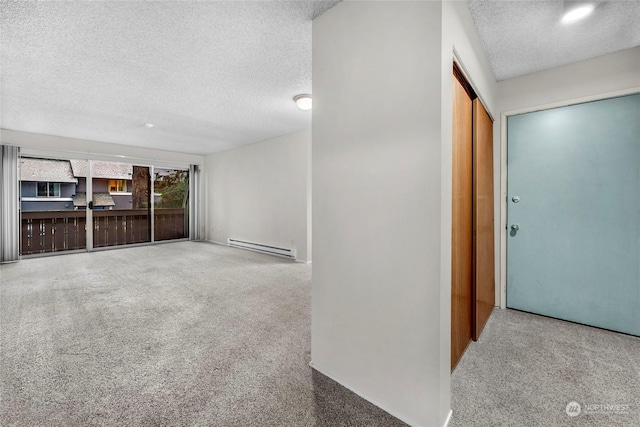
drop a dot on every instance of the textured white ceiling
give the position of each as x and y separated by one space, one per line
209 75
522 37
216 75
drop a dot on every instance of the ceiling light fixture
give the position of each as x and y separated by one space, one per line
574 11
148 125
303 101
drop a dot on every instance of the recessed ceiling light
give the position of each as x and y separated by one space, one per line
574 14
303 101
148 125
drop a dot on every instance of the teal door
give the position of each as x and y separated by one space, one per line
573 198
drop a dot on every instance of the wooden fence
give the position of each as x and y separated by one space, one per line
66 230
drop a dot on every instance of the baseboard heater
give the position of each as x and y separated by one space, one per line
260 247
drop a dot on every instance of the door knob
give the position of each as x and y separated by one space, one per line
515 227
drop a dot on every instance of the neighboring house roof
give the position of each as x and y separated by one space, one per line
99 169
46 170
99 199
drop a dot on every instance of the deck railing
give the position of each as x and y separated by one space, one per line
54 231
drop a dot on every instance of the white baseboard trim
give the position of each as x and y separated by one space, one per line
446 422
227 245
365 397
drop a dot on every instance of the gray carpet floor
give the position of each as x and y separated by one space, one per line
178 334
526 369
186 334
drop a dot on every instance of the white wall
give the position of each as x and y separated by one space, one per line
609 73
259 192
600 77
377 205
79 148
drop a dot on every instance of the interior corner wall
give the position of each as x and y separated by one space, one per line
309 206
377 181
259 193
461 42
460 36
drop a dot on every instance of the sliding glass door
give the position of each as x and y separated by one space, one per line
171 204
123 204
50 220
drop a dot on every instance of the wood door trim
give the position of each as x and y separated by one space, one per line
457 72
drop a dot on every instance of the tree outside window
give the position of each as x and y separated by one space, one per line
173 185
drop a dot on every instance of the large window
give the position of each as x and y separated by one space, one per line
48 189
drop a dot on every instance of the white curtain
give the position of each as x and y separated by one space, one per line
194 202
9 204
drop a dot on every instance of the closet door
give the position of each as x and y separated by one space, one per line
462 223
483 290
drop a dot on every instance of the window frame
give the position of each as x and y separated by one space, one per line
120 185
52 189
